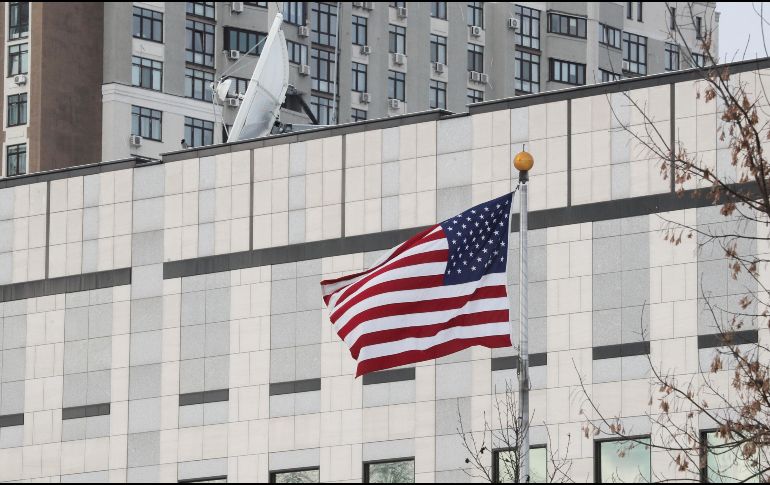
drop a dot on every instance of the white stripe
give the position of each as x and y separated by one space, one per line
420 294
436 245
424 319
424 269
425 343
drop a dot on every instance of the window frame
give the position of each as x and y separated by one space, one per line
193 80
440 89
496 463
609 74
248 49
194 28
193 128
272 474
366 464
330 16
627 39
668 54
551 65
151 116
357 27
604 37
153 70
703 455
23 20
396 39
155 18
357 75
699 28
353 115
598 452
292 47
472 98
318 58
438 50
21 114
329 106
397 79
438 10
565 20
23 59
295 13
17 172
518 79
475 57
475 11
527 18
205 8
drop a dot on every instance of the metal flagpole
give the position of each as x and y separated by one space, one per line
523 163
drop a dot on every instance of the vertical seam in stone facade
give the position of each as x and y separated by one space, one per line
342 186
569 152
47 226
672 132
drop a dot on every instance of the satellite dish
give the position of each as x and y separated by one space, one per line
262 102
223 88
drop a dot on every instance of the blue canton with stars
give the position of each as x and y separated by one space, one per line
478 241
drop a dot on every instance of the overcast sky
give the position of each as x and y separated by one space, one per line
740 24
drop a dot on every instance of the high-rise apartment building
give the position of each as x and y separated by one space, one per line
90 82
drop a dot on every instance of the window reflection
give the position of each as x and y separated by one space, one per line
538 467
624 461
726 464
390 472
296 476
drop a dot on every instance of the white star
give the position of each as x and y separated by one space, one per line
497 233
478 259
486 209
473 268
459 271
484 250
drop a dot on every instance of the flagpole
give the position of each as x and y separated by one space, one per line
523 163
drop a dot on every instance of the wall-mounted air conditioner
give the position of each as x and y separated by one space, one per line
135 140
233 54
475 31
236 7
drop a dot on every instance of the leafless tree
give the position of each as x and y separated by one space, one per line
732 395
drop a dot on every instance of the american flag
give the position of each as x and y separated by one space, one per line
440 292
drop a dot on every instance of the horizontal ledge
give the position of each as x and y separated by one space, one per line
294 387
65 284
723 339
621 350
91 410
392 375
9 420
191 398
512 362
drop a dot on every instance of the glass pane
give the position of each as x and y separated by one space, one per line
304 476
393 472
726 464
625 462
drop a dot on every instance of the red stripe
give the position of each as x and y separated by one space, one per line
411 307
396 334
436 256
404 246
412 356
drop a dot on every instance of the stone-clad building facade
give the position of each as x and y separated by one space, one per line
163 320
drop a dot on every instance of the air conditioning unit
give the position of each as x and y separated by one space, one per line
233 102
366 50
626 66
236 7
20 79
395 104
304 70
474 76
399 59
135 140
513 23
233 54
303 31
402 12
475 31
358 4
368 5
438 67
484 78
365 98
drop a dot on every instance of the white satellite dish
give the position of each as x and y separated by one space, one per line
262 102
223 88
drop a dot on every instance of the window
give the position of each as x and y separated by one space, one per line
200 43
672 57
437 94
396 85
503 463
148 24
475 57
297 52
476 14
635 52
322 67
247 42
324 24
397 39
672 14
698 60
359 30
475 96
622 461
17 110
639 11
629 10
359 77
238 86
608 76
437 48
198 132
16 160
357 114
146 73
322 110
527 74
398 4
196 84
397 471
724 461
438 10
201 9
567 25
256 4
18 20
294 13
609 36
699 28
146 123
528 33
18 59
309 475
568 72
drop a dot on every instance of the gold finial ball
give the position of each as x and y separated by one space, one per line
523 161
